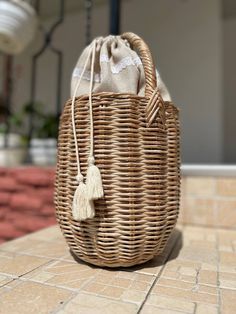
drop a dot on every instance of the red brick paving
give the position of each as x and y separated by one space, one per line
26 200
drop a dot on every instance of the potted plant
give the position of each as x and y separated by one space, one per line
43 143
13 144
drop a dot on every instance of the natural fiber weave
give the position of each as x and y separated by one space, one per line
140 174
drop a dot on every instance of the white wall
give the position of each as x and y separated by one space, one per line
185 38
229 103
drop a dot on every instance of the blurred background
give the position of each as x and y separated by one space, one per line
192 42
193 45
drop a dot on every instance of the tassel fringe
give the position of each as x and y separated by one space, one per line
94 183
82 206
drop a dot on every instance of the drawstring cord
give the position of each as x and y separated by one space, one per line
82 206
93 178
79 176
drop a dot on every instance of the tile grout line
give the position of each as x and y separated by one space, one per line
195 308
5 284
19 277
92 294
34 233
157 277
36 255
218 274
206 226
28 272
63 305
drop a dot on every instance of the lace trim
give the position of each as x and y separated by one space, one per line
87 74
123 64
115 69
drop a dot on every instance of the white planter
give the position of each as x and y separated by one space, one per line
18 24
14 154
43 151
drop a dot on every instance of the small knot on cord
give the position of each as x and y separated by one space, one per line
79 177
91 160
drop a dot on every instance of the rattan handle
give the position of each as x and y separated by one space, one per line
143 51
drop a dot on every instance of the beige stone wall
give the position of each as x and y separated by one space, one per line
208 201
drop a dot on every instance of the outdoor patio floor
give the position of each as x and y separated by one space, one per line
195 274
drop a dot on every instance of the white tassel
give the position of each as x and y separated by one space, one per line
82 206
94 181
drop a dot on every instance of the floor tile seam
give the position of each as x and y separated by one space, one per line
159 273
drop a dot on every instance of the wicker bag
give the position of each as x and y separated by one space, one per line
132 143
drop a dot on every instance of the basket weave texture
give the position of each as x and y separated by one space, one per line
140 169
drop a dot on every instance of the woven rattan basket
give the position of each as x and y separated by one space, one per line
136 145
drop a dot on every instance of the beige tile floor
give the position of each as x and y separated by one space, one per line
195 274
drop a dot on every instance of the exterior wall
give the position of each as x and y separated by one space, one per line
229 103
26 201
185 38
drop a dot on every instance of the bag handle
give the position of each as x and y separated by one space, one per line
155 106
145 55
